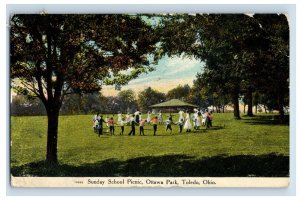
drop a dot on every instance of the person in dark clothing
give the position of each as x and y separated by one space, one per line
209 120
137 117
170 117
132 123
99 125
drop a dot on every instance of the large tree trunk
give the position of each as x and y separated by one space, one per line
51 156
236 109
250 105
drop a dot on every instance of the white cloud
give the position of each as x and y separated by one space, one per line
169 73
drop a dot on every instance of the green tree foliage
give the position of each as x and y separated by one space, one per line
54 55
84 104
205 93
127 101
274 82
239 52
180 92
149 97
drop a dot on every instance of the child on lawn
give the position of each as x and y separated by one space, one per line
180 124
111 123
149 117
160 118
142 124
169 123
155 122
106 120
122 122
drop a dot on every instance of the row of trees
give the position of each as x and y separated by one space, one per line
127 101
53 56
243 55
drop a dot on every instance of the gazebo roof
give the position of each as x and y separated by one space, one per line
173 103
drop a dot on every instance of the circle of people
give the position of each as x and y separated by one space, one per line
184 122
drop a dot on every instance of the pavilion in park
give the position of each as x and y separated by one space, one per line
173 105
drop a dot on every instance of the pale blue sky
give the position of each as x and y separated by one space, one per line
170 72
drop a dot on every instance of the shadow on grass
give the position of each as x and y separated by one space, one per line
270 165
266 120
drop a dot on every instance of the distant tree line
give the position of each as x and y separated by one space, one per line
128 101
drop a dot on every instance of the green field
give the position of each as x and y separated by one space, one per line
256 146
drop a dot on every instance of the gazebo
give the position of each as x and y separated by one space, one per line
173 104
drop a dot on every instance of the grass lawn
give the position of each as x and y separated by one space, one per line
256 146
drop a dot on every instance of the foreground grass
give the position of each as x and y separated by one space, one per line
257 146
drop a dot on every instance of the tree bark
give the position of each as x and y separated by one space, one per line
51 156
250 105
236 109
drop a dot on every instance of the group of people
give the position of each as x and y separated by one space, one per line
133 120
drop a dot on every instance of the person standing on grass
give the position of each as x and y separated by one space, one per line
169 123
196 119
149 117
154 122
100 125
128 117
187 125
132 123
137 116
95 118
119 117
160 118
142 124
203 118
111 126
122 123
209 119
106 121
180 124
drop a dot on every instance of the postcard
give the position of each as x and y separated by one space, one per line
149 100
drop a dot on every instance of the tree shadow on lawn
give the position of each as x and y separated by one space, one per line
270 165
267 120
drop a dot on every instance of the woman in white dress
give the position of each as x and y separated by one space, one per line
196 119
149 117
119 117
187 125
204 115
181 115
